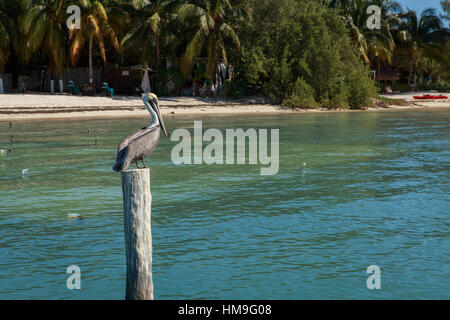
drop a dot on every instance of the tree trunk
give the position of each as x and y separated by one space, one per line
379 73
91 70
210 69
411 70
158 53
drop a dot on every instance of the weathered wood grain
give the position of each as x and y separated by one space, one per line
137 202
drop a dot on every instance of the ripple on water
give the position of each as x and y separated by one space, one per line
375 191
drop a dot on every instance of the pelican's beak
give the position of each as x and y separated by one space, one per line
155 104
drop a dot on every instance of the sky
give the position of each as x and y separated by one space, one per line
419 5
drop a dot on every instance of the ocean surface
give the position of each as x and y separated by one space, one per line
375 192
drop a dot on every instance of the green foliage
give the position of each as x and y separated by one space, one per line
374 45
421 36
95 24
302 55
152 21
308 53
441 86
5 39
251 64
234 89
445 4
302 96
172 75
44 27
281 77
392 102
402 87
212 31
360 87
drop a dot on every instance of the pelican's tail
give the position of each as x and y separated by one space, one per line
121 160
117 167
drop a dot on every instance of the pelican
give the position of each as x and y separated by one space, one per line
138 145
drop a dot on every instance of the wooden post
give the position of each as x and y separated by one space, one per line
137 204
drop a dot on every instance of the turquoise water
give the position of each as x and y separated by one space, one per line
375 192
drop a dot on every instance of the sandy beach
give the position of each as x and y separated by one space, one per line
409 97
16 107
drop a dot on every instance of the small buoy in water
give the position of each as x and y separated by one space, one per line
24 171
75 216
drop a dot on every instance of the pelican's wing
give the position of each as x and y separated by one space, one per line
126 141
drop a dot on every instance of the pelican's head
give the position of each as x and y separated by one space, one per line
152 99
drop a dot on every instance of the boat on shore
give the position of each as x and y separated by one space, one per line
429 96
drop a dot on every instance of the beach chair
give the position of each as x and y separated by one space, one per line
108 89
74 88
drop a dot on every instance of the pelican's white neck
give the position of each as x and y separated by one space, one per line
155 121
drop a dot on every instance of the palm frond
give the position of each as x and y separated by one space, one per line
227 32
192 51
76 48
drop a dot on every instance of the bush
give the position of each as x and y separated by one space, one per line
361 88
302 96
234 89
440 86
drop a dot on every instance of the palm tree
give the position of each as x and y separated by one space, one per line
445 4
420 35
8 36
153 20
212 29
94 24
376 46
44 27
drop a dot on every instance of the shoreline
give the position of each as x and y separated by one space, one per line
31 107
